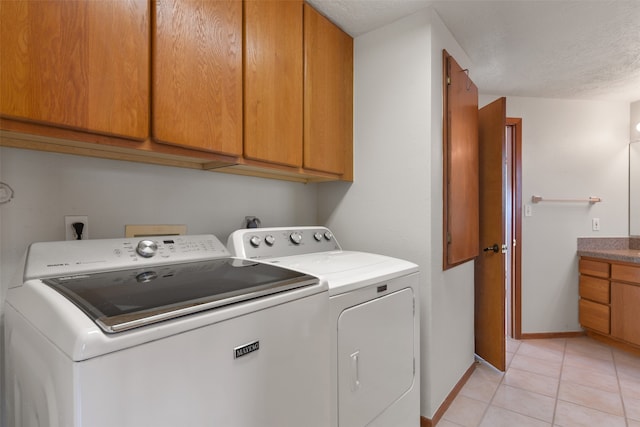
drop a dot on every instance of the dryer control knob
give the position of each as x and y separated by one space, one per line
318 236
328 235
269 239
296 237
147 248
255 241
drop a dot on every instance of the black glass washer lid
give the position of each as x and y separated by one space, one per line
125 299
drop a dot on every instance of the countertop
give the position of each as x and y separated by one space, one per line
625 255
624 249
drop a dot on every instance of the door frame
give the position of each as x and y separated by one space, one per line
514 125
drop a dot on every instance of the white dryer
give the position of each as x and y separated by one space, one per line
374 321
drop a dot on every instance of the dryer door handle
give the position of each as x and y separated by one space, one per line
355 371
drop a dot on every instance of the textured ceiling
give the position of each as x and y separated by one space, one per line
574 49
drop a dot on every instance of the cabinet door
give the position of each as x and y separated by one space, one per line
461 163
197 74
594 316
77 64
328 95
273 81
625 300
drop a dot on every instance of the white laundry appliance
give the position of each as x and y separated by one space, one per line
166 331
374 321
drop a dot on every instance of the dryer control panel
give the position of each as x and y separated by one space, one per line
256 243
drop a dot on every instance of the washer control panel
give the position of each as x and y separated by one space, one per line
255 243
50 259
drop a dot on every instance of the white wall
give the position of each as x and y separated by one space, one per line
570 149
112 193
394 206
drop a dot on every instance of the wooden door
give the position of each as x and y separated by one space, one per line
197 74
273 81
490 340
328 95
77 64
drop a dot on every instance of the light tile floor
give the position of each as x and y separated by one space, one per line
552 382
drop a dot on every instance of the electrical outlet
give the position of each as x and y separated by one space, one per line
70 230
595 224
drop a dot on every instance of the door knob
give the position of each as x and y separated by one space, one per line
495 248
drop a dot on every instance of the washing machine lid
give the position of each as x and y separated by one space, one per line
124 299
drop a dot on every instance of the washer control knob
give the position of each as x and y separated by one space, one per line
318 236
295 237
269 239
328 235
255 241
147 248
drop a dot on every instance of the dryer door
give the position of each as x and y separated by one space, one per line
375 356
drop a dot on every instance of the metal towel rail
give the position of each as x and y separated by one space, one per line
591 199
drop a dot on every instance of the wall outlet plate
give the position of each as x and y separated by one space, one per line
69 231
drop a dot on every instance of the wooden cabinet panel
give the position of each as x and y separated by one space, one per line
625 273
594 268
594 316
197 74
461 165
273 81
594 289
328 95
625 303
77 64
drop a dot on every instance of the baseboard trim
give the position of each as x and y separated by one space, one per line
426 422
620 345
544 335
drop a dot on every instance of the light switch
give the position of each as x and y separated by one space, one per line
528 210
595 224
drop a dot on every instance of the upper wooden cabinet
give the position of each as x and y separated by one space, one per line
77 64
461 185
273 81
197 74
328 95
249 87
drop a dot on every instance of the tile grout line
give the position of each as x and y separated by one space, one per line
624 408
555 406
486 409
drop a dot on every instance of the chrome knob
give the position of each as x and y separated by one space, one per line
255 241
147 248
295 237
317 236
146 277
269 240
328 235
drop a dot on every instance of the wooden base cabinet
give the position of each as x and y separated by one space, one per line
610 300
625 303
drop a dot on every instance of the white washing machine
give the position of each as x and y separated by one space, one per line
374 321
167 331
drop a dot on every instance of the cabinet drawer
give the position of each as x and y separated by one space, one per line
594 289
625 273
594 268
594 316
